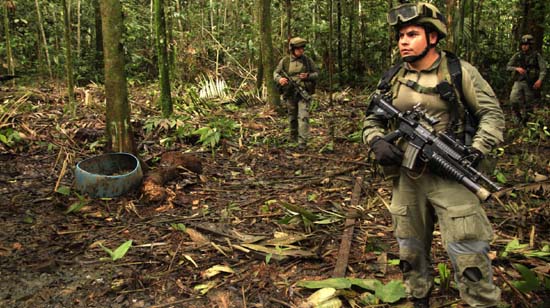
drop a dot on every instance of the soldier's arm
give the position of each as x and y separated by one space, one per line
512 63
481 98
373 126
277 71
314 74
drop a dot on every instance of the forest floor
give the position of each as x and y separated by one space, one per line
241 231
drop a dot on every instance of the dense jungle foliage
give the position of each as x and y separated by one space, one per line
241 218
220 38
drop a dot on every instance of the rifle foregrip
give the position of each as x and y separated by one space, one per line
482 193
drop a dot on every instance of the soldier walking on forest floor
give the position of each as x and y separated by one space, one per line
302 70
528 71
421 196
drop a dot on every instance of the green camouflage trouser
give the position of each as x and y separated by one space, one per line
298 114
522 99
418 202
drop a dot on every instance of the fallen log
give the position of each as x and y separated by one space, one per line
347 236
169 169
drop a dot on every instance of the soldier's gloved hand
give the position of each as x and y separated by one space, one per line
477 157
385 153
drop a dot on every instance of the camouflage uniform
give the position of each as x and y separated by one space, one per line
421 198
298 109
523 97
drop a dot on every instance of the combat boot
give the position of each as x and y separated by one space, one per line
421 302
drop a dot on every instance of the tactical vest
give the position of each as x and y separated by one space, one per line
529 62
309 85
449 89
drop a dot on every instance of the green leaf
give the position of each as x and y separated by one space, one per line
392 292
530 282
312 197
337 283
75 207
205 287
501 178
121 250
367 284
178 227
107 250
64 190
514 245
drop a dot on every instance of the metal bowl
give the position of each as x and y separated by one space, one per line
108 175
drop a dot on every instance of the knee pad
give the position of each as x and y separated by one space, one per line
405 266
473 274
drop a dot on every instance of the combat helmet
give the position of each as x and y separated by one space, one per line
297 42
420 13
527 39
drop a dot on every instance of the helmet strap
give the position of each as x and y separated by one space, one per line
411 59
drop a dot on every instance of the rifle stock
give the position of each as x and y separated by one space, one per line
439 151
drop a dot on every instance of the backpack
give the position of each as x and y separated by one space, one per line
309 85
446 91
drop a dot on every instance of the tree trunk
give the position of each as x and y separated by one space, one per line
450 25
68 58
532 21
43 38
7 37
119 129
267 53
329 47
339 38
163 61
98 36
78 29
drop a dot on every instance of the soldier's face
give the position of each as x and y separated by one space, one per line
525 47
298 51
413 40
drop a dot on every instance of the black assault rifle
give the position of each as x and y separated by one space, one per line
441 152
299 89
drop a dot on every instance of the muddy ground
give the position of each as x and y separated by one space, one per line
246 196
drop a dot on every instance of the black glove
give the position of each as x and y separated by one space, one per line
385 153
477 156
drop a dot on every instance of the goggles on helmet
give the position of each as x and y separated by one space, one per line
526 41
410 11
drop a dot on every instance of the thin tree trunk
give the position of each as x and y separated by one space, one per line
78 29
260 61
43 38
98 37
339 38
7 37
330 60
118 125
267 53
68 59
163 61
288 11
450 20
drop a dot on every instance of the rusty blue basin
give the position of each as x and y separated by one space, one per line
108 175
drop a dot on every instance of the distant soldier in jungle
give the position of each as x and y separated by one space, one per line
528 71
303 72
445 87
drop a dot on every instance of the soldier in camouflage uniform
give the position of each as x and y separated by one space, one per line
528 71
302 70
421 197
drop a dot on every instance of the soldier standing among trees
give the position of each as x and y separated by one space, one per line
421 196
302 70
528 71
